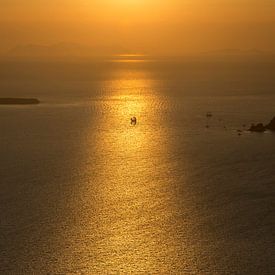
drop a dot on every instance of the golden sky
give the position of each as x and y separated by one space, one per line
142 26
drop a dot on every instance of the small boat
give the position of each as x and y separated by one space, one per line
209 114
134 120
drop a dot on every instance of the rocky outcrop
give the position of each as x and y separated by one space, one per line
261 128
257 128
271 125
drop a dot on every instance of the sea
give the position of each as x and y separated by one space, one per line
85 191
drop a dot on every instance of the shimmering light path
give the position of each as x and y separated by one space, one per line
85 192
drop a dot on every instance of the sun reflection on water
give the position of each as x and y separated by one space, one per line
132 189
130 212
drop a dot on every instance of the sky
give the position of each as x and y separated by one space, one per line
165 27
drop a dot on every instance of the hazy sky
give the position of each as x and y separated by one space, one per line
150 26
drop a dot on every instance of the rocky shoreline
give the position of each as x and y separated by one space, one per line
260 127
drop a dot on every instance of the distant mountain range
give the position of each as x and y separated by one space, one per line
235 51
62 50
235 55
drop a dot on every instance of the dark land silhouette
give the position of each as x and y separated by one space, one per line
260 127
19 101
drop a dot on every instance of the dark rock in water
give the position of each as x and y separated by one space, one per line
261 128
257 128
18 101
271 125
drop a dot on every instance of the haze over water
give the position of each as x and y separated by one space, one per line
85 192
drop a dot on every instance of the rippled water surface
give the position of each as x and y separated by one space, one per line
85 192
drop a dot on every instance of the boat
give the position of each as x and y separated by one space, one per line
134 120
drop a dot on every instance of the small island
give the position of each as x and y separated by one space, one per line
19 101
